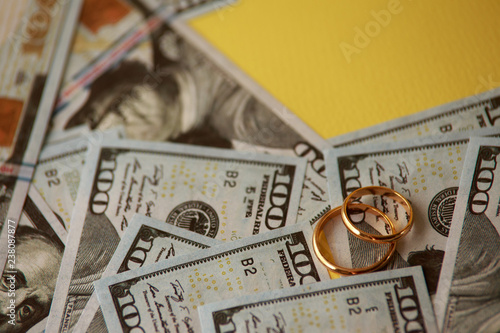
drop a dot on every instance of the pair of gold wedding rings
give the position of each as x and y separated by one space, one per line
352 204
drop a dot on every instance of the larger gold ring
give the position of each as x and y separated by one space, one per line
350 271
385 192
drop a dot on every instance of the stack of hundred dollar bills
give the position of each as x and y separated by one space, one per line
147 184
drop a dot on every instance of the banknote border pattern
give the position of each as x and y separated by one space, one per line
63 155
222 316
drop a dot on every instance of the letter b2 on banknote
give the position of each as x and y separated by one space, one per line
166 295
390 301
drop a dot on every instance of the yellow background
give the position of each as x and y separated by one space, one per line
431 53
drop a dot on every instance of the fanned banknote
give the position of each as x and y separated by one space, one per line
58 172
468 114
218 193
468 296
390 301
426 172
34 255
34 42
32 54
166 295
145 242
173 86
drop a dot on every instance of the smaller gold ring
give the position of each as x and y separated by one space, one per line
350 271
382 191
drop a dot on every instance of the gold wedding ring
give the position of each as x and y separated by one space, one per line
351 271
384 192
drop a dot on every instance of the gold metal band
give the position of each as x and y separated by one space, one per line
351 271
382 191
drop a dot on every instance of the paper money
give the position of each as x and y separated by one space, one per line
166 295
33 257
145 242
426 172
468 114
34 38
58 172
218 193
468 297
29 36
391 301
32 72
174 86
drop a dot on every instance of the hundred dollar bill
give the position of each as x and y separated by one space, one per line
34 41
468 296
165 296
390 301
58 172
471 113
426 172
145 242
34 254
218 193
174 86
30 42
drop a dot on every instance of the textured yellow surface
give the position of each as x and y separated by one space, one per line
423 53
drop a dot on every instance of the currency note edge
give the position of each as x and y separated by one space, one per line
418 118
357 281
70 252
53 151
331 154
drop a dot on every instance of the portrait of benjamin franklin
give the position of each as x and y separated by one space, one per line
38 258
179 96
